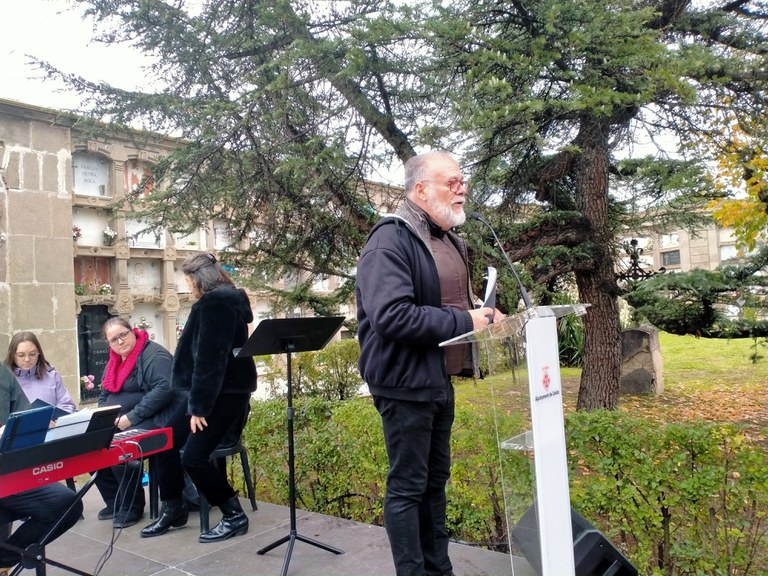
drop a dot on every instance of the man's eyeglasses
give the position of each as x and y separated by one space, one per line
119 338
455 185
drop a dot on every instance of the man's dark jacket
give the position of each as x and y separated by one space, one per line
401 320
203 363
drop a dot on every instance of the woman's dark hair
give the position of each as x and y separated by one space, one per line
17 339
206 272
115 320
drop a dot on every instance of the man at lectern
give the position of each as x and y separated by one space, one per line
41 507
413 292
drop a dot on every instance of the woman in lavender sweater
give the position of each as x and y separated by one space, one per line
37 377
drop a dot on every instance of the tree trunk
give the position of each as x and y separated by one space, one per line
602 344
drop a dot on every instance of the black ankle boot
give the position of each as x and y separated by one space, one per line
174 513
234 522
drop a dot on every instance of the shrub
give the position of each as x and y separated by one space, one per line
678 499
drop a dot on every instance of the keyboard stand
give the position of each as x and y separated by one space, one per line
33 557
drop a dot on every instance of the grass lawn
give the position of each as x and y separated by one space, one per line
708 379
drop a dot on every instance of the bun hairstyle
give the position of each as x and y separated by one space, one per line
206 272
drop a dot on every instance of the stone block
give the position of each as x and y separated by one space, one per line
65 313
21 257
32 307
642 370
48 138
30 171
29 214
5 318
51 165
13 170
15 132
61 216
49 254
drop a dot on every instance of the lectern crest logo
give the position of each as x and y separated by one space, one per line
545 379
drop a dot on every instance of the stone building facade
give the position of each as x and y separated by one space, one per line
71 259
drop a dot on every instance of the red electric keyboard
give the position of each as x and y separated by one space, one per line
43 464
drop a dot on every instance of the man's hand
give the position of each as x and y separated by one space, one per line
480 317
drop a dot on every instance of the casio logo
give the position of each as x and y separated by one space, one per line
47 468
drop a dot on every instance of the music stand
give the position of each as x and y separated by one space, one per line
289 335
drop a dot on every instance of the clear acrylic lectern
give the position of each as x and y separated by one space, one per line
543 535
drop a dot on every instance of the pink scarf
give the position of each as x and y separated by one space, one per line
117 369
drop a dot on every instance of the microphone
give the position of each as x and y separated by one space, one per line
523 294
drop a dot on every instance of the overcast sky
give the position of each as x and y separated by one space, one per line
52 31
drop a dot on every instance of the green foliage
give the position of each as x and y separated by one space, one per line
287 112
683 499
341 450
678 499
482 475
570 335
330 373
693 302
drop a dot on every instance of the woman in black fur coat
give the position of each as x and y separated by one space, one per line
219 388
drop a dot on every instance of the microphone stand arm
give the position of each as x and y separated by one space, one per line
523 293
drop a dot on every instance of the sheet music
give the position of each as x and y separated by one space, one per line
70 425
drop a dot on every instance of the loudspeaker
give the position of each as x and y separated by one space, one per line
593 554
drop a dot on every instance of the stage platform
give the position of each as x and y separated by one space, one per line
366 549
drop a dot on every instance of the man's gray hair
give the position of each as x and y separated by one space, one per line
417 168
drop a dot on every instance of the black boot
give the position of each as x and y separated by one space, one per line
174 513
234 522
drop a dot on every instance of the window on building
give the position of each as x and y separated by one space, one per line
221 236
90 174
669 240
321 284
728 252
670 258
139 235
195 240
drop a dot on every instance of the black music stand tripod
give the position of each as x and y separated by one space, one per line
289 335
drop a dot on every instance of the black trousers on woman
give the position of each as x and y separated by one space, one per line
197 449
121 488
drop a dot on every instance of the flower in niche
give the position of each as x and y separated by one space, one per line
88 381
104 289
77 232
109 236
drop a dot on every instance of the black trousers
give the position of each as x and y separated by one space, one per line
120 487
43 507
417 437
211 482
